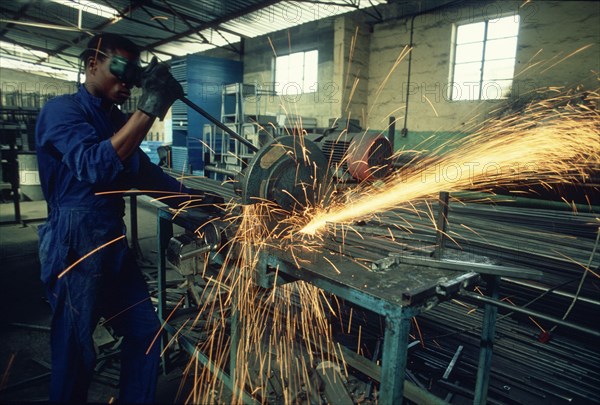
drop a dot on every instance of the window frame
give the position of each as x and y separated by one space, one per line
482 61
311 87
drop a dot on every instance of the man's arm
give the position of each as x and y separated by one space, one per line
130 136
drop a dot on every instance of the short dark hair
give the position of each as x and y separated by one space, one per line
103 43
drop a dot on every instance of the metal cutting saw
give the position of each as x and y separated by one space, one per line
297 171
293 172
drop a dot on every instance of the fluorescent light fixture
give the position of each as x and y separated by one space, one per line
89 7
18 49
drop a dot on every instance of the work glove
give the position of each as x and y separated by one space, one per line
159 89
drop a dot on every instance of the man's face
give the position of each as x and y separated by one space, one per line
102 83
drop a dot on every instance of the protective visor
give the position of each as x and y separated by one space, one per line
128 71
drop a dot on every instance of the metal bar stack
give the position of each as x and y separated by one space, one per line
533 362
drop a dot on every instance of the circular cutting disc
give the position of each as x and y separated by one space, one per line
289 171
368 156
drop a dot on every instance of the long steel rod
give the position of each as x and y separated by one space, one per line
218 123
469 296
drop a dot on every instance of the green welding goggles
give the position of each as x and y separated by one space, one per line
129 72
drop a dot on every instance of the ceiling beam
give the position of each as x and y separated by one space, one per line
162 27
346 3
231 47
22 11
185 21
213 23
35 33
194 20
97 28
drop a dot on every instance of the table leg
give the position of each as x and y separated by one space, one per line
487 343
393 366
164 232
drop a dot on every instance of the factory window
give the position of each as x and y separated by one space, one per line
296 73
484 59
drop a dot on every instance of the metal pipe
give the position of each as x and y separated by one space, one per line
404 130
469 296
197 252
220 170
392 132
452 363
441 224
551 290
525 202
490 269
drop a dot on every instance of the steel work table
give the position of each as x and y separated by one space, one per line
395 288
397 292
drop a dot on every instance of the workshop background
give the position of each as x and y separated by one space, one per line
404 74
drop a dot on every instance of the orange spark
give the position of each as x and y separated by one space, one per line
4 380
163 325
65 271
557 150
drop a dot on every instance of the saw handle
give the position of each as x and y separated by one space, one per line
218 123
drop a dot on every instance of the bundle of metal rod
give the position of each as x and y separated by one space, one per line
225 190
545 241
576 224
555 242
531 229
524 370
554 303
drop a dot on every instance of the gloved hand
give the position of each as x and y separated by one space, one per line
159 89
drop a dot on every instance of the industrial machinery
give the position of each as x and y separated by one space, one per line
187 251
295 172
361 155
377 268
288 171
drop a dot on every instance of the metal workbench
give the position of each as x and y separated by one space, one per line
395 287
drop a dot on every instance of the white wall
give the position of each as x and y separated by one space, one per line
549 31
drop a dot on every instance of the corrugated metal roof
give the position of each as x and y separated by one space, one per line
53 33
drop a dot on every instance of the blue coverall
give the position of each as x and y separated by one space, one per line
76 161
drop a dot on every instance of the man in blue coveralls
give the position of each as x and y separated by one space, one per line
85 146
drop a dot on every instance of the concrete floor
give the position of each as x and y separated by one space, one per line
26 316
